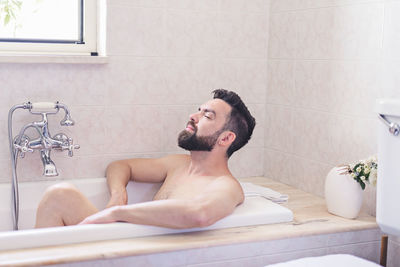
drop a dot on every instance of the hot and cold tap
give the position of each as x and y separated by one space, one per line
45 142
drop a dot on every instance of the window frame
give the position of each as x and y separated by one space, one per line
88 47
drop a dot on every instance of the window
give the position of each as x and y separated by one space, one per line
67 27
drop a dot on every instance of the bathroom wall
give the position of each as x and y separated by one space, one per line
165 58
328 62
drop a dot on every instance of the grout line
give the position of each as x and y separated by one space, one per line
326 7
347 115
298 156
325 59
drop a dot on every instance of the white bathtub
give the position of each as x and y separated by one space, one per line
254 211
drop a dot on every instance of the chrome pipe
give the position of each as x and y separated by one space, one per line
14 155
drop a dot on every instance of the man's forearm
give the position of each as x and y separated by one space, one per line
118 175
172 213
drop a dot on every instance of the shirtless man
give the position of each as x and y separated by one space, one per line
197 190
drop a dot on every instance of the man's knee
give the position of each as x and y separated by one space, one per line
61 190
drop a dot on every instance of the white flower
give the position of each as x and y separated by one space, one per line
365 173
372 159
373 177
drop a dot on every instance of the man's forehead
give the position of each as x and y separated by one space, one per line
217 105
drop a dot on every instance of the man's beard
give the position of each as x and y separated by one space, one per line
192 142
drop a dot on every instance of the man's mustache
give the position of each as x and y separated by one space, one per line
193 125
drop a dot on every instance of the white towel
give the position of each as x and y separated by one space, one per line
251 190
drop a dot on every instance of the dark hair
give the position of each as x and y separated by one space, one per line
240 121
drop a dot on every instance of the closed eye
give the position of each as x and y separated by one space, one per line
208 113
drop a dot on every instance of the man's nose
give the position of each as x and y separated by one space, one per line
194 117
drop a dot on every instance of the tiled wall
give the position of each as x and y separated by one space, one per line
328 62
165 58
393 258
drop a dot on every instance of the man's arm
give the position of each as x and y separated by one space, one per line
212 205
119 173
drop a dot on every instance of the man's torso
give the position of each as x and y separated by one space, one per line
179 185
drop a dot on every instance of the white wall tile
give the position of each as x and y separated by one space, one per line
5 165
290 5
135 31
391 39
175 119
246 162
204 5
282 257
329 3
393 257
278 166
369 250
332 73
134 129
282 36
355 32
259 6
138 3
189 81
243 35
191 33
314 134
390 79
279 128
280 89
307 175
284 5
137 81
258 112
246 77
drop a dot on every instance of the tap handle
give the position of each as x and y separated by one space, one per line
44 105
71 147
23 148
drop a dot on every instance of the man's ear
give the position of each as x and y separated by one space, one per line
227 138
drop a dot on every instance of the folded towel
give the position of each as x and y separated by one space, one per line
252 190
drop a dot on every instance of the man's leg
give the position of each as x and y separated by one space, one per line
63 204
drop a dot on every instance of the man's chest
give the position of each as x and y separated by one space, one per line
180 187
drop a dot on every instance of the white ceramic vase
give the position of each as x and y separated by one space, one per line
343 194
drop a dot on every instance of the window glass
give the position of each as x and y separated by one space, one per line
50 27
40 20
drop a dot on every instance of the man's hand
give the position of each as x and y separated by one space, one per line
118 199
104 216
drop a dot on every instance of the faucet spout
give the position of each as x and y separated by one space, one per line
49 166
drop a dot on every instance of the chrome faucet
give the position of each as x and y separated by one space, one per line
45 143
21 144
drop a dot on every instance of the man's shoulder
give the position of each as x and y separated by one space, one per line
228 179
229 183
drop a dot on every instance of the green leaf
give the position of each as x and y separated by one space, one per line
362 185
7 19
